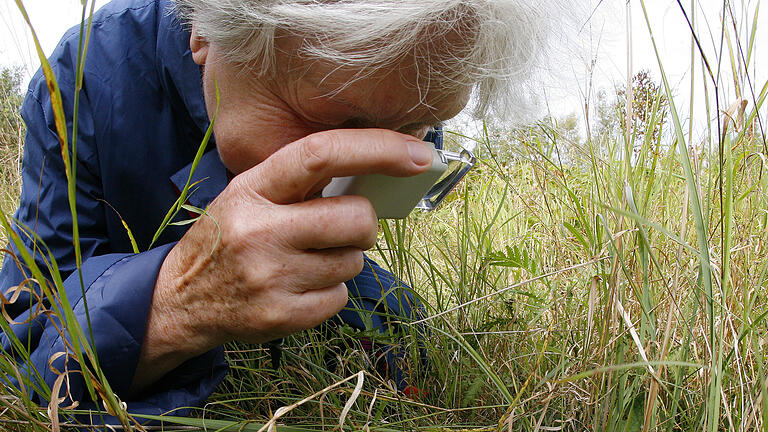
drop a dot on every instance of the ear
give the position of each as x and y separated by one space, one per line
199 47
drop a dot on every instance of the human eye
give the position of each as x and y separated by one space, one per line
355 123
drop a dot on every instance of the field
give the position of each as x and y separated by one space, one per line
612 282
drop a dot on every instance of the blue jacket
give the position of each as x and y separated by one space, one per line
141 120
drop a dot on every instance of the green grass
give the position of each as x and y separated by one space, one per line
566 288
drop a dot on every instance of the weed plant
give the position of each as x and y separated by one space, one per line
614 284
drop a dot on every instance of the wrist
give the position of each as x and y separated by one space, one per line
175 319
175 331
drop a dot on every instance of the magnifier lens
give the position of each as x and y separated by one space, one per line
459 165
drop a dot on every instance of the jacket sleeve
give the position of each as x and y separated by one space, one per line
118 287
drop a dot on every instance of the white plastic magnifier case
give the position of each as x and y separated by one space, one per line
396 197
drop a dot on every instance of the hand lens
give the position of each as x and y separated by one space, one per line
396 197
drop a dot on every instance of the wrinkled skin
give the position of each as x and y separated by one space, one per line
268 260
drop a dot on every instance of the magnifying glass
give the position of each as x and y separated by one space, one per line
396 197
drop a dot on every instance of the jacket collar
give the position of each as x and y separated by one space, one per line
180 79
179 74
207 182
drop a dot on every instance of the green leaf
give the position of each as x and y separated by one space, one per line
184 222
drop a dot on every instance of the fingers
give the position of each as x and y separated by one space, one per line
293 172
311 244
312 308
323 268
331 223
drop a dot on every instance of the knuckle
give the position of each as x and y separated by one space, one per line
232 232
271 317
339 298
238 185
237 233
358 263
244 186
353 264
345 265
389 146
373 227
332 301
363 218
316 151
383 140
285 232
273 273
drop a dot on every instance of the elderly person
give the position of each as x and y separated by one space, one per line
309 90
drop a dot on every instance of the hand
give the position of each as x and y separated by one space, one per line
274 261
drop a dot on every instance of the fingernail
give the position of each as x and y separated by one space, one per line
420 152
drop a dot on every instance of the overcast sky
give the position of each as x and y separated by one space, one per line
608 43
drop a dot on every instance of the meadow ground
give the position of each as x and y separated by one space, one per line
615 282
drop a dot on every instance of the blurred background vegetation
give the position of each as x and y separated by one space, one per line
11 136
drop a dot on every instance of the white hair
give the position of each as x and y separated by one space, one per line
492 46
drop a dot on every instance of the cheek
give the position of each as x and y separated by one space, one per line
243 147
236 158
240 148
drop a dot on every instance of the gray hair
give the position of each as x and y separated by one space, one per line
492 46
